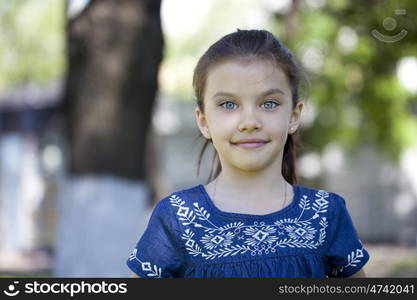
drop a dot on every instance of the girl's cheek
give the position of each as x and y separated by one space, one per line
226 124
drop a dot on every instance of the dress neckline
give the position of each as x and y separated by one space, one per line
281 211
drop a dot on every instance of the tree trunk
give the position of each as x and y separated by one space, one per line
115 48
114 51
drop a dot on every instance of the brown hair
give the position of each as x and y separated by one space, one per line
250 44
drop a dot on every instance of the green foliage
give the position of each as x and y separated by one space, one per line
356 91
31 41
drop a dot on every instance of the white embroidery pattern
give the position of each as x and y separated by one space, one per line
257 238
150 271
353 259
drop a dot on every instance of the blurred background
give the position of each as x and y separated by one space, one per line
97 120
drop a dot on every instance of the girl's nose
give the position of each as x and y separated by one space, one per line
249 122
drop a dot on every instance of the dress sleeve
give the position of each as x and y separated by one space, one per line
156 254
346 254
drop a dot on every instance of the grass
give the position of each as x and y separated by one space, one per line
406 268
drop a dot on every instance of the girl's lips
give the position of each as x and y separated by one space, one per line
250 145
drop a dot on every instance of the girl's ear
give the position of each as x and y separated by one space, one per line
295 117
202 123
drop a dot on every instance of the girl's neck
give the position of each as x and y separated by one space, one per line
254 195
249 185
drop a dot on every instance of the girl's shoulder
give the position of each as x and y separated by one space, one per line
333 200
174 206
182 197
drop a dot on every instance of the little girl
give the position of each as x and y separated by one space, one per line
251 219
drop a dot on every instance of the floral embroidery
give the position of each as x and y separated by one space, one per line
353 259
212 241
307 233
238 238
260 235
151 271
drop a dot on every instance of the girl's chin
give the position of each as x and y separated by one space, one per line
252 166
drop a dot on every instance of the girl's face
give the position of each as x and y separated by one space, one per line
248 113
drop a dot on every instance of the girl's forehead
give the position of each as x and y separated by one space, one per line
241 75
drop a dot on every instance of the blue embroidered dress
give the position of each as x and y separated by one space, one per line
188 236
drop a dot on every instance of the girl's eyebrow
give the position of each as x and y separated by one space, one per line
223 94
272 91
266 93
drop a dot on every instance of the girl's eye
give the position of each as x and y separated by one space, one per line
269 104
228 105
